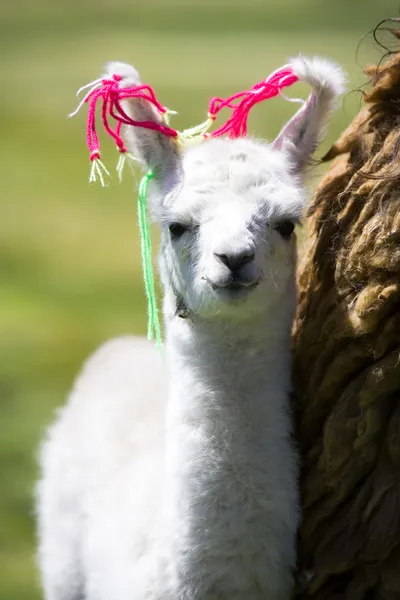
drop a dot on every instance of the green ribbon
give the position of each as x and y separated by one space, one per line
153 323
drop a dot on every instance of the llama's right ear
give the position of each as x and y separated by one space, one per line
157 152
302 134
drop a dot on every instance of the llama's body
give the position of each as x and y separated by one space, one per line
188 491
236 488
109 436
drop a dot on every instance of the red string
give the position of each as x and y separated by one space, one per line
91 134
122 116
242 102
110 95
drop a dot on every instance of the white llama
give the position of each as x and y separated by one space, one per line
179 481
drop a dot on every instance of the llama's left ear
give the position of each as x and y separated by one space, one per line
302 134
157 152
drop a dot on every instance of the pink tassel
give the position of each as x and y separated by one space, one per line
243 102
109 93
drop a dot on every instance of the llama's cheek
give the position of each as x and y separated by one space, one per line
277 277
280 256
199 289
185 254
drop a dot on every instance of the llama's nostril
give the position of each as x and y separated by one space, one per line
236 260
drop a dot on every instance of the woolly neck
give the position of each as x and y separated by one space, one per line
227 414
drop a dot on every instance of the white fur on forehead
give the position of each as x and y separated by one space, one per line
222 171
226 161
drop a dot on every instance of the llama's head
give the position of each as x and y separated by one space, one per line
228 245
227 208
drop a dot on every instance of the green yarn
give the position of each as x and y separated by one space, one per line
153 323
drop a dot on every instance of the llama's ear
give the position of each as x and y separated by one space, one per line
156 151
302 134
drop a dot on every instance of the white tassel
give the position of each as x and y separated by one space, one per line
123 159
98 172
297 100
93 85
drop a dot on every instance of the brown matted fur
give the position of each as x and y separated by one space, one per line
347 360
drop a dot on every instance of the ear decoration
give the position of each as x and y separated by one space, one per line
243 102
121 93
125 101
114 90
110 94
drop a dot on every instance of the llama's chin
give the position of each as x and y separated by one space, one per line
237 302
233 302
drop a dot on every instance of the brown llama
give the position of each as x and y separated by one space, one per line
347 359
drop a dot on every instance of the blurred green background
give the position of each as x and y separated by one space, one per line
69 257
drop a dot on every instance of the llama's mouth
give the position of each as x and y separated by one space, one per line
234 290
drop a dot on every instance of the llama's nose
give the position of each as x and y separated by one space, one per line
235 260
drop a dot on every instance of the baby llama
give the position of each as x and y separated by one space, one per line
172 475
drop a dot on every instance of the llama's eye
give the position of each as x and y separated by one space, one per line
285 228
177 230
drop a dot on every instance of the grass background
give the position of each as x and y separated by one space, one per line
69 258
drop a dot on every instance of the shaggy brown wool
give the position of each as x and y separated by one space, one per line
347 360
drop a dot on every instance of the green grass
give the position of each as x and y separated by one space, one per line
69 257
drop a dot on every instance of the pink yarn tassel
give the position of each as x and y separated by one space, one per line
242 102
110 94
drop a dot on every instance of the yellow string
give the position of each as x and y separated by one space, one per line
197 131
